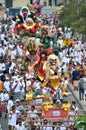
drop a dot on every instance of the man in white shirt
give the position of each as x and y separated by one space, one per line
10 104
2 52
33 112
65 59
13 64
12 118
36 85
80 56
4 96
16 87
60 126
7 84
20 126
60 42
22 88
19 50
2 65
46 126
13 53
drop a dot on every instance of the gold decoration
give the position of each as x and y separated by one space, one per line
66 106
39 96
48 105
67 42
29 96
40 76
44 84
55 83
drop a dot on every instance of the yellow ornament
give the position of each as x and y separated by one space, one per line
17 17
67 41
29 96
66 106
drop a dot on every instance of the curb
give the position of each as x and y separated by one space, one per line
76 98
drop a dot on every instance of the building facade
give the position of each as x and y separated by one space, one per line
20 3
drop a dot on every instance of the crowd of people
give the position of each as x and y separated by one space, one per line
18 77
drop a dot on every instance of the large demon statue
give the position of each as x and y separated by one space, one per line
24 14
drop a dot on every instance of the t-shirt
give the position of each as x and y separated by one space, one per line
18 127
12 119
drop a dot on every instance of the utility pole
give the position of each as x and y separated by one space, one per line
78 7
67 1
52 3
47 2
78 1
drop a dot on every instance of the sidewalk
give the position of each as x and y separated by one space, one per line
75 93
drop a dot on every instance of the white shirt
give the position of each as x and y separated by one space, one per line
13 54
2 36
13 64
2 65
2 51
11 46
18 127
7 85
12 119
9 105
46 128
60 55
65 60
61 128
33 115
4 97
22 85
28 83
17 88
19 50
36 85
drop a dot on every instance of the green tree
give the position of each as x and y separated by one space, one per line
74 15
80 122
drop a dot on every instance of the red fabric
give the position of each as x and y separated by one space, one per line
25 14
49 51
38 14
33 30
22 44
15 30
56 113
41 71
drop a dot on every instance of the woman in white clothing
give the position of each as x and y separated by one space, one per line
20 126
12 119
10 104
46 125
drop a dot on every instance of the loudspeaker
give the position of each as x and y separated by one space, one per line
8 3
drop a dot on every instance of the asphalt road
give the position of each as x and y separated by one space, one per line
3 122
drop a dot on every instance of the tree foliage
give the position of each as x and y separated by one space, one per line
80 122
74 15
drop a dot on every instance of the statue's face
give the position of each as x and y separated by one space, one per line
53 60
32 48
25 12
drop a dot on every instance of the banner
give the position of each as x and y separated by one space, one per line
56 113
